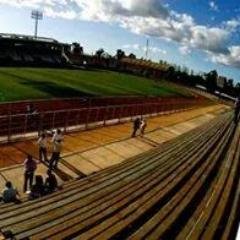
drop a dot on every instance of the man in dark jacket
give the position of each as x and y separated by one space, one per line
136 126
30 167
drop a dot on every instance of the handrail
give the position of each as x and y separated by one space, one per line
95 107
25 123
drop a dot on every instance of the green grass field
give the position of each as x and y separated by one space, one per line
32 83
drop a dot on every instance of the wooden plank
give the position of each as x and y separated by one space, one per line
142 165
166 146
200 217
170 220
38 214
78 225
125 221
221 202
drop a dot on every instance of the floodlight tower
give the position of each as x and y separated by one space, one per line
147 48
36 15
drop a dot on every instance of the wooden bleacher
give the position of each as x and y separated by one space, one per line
187 188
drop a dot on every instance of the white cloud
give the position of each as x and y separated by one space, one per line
147 17
138 47
35 3
232 25
213 6
101 9
68 14
132 46
157 50
181 29
51 8
184 50
230 59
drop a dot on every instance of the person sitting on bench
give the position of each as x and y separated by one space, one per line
51 182
38 189
10 194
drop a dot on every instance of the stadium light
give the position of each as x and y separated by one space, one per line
147 49
36 15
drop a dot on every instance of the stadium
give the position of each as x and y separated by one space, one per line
114 145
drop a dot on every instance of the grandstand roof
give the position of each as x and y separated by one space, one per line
28 38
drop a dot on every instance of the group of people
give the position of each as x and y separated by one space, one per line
57 139
38 189
35 186
139 124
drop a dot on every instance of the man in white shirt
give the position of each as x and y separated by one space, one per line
42 143
143 126
57 147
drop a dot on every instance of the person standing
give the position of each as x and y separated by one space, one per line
237 110
57 147
143 126
32 116
42 143
30 167
136 126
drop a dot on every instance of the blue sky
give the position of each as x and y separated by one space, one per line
202 35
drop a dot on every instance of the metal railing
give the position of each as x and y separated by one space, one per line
20 107
18 126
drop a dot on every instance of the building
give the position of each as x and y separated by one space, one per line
23 50
221 81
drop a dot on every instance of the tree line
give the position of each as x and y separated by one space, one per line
175 73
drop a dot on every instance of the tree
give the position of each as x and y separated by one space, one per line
230 83
171 73
99 53
185 69
132 56
165 63
237 89
229 87
211 81
178 68
77 49
120 54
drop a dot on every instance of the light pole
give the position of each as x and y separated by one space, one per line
147 49
36 15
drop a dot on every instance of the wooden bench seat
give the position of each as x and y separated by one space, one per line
157 195
180 206
165 148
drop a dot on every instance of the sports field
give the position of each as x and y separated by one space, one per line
35 83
